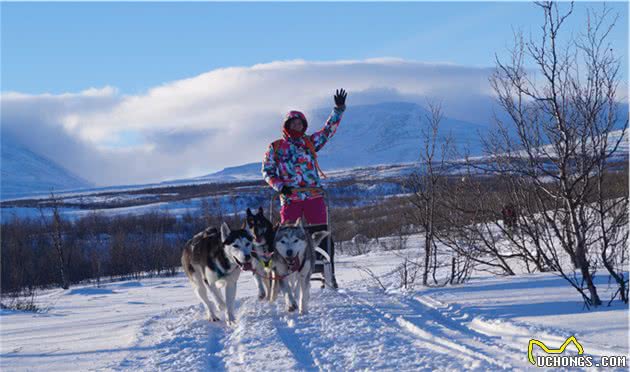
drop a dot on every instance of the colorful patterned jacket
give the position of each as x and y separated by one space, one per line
289 161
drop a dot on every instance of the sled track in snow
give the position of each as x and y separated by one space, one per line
349 329
345 330
343 335
440 333
260 342
337 334
358 330
176 340
304 356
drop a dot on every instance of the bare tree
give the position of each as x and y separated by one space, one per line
55 229
407 273
559 140
427 183
469 225
611 215
461 269
375 278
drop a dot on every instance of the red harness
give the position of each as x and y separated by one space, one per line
293 268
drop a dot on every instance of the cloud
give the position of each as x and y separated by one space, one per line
221 118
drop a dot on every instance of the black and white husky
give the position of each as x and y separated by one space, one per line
296 251
263 232
213 261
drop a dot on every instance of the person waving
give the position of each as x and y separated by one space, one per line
290 164
290 167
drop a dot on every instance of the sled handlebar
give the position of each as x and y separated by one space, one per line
301 189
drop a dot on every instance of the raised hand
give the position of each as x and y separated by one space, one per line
340 98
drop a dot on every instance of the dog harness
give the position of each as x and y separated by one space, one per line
214 267
278 277
267 266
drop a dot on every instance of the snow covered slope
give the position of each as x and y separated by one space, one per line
249 171
158 324
25 172
387 133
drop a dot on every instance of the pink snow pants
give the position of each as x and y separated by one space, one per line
313 210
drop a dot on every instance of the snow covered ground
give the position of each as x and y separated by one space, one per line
158 324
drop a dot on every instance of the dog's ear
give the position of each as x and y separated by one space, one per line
260 210
298 222
249 212
225 231
212 230
318 237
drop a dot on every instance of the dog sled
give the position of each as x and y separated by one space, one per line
325 252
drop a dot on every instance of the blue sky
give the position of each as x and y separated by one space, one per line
123 93
69 47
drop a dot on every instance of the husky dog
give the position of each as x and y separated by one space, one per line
296 252
263 232
212 261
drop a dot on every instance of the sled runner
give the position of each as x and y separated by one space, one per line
324 260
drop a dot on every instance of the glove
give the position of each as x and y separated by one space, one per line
286 190
340 98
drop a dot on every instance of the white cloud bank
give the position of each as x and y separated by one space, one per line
221 118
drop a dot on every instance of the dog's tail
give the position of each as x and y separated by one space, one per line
186 261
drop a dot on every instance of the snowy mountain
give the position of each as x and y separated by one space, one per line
247 171
384 133
25 172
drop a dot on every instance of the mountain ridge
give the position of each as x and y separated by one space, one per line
25 172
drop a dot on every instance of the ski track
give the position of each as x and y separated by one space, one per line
437 333
176 340
349 329
345 330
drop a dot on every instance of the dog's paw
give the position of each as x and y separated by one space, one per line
262 296
213 318
292 308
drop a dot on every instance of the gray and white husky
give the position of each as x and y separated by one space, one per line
296 251
212 261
